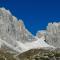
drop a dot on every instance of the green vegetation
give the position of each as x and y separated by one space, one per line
33 54
6 56
40 54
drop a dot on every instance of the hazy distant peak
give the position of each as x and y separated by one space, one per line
41 33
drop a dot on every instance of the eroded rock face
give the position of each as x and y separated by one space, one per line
9 25
12 31
53 34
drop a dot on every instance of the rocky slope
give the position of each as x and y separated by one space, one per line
13 33
6 55
40 54
33 54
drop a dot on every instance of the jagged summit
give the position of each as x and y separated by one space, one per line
10 25
53 34
12 30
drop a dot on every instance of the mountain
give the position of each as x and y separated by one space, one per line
10 25
40 54
53 34
17 43
13 33
14 37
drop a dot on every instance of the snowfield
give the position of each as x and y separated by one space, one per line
39 43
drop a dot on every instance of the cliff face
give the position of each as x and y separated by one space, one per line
13 33
53 34
11 27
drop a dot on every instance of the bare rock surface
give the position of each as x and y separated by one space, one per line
53 34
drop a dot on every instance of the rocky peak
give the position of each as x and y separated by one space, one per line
21 25
12 31
53 34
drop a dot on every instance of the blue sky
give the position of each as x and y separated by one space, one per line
36 14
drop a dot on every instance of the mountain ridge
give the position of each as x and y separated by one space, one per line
14 35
